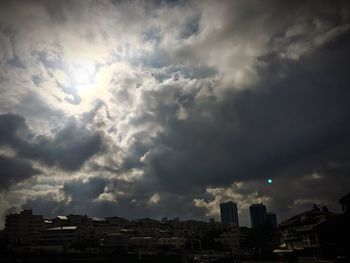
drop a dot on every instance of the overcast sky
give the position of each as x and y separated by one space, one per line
167 108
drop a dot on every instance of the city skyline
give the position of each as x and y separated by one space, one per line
228 216
168 108
311 233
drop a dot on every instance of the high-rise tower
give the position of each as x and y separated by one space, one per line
229 213
258 215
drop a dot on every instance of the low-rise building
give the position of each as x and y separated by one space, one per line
234 239
148 223
23 228
143 243
78 220
115 242
100 226
59 221
147 231
172 242
64 235
299 233
120 222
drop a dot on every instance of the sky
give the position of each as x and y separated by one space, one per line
167 108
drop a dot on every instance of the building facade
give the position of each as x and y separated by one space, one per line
229 214
300 235
234 239
23 228
271 219
258 215
173 242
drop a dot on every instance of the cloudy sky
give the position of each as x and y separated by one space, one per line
167 108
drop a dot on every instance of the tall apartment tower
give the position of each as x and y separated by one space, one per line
258 215
229 214
23 228
271 219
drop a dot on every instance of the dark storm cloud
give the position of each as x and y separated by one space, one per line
46 206
9 125
69 148
82 190
14 170
170 205
294 123
83 199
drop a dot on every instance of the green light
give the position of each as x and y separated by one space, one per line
269 181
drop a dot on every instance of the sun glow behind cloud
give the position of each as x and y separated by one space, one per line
83 72
83 75
89 76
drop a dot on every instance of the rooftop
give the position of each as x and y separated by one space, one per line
62 228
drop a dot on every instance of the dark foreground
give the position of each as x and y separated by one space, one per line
123 258
87 258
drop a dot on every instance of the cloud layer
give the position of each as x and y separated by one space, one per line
162 108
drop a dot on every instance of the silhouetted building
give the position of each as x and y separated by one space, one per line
115 241
143 242
172 242
118 221
271 219
233 239
300 233
63 235
229 213
334 233
59 221
345 202
78 220
23 228
258 215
